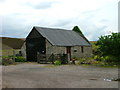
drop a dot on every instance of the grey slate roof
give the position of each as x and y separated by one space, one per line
61 37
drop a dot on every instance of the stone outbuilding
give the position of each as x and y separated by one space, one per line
46 42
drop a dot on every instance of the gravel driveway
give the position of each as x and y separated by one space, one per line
32 75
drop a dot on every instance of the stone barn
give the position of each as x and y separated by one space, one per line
46 42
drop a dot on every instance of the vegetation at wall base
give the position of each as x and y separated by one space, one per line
20 59
97 61
7 60
57 62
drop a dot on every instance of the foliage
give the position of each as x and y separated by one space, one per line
94 47
7 60
109 47
110 44
74 58
20 59
57 62
76 29
111 59
89 60
97 58
84 60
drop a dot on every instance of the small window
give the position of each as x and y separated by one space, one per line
82 49
75 50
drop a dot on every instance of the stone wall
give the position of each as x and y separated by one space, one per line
50 49
54 49
75 51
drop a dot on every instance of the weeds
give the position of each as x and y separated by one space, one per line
57 62
9 60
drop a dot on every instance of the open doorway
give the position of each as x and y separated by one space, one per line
34 45
68 50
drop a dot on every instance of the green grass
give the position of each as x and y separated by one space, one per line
50 66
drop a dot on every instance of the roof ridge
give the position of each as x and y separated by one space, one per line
62 37
52 28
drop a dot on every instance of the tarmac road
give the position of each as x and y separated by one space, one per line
32 75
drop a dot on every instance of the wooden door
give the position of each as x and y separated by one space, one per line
69 51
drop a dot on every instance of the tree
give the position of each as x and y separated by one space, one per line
109 45
76 29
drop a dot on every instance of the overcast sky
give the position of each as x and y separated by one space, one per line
94 17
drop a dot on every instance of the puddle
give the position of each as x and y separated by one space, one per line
111 79
93 79
106 79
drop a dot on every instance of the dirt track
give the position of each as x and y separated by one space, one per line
31 75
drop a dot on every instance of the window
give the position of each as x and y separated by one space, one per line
75 50
82 49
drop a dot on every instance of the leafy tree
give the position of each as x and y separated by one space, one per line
94 47
109 45
76 29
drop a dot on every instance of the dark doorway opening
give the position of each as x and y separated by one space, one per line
33 46
68 49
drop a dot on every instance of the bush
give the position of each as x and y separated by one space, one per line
107 59
6 60
111 59
109 46
57 62
20 59
90 60
97 63
84 61
97 57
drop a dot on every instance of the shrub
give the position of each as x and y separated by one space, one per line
109 46
97 62
97 57
111 59
6 60
82 60
20 59
57 62
90 60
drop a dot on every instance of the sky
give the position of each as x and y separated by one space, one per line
94 17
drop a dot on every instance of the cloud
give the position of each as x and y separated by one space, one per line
2 1
95 18
119 16
40 5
